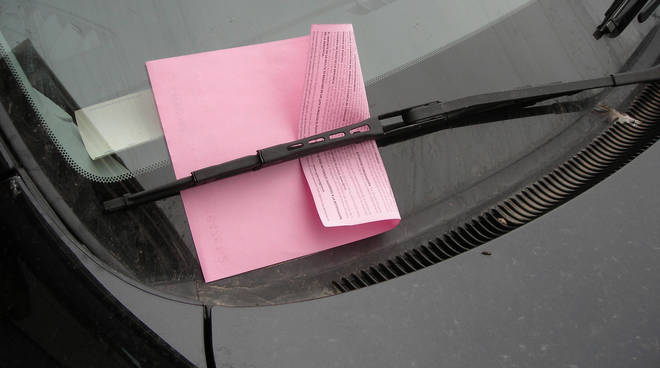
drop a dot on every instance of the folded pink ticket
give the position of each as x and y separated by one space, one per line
220 105
349 184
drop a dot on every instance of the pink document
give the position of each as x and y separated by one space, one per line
349 184
219 105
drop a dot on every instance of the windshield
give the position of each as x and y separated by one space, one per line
66 55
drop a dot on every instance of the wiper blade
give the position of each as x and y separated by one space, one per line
408 123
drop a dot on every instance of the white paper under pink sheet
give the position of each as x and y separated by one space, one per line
220 105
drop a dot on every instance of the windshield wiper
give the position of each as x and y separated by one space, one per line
399 126
619 15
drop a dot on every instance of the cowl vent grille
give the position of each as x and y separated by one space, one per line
607 153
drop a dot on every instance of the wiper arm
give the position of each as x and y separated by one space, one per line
619 15
408 123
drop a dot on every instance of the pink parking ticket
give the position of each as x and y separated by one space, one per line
219 105
349 184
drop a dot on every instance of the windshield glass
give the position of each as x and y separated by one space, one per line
62 56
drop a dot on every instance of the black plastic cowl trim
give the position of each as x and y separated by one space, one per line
607 153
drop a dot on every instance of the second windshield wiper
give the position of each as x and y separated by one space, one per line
619 15
398 126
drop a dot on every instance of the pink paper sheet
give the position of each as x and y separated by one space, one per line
219 105
349 184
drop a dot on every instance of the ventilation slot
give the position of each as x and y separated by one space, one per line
608 152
